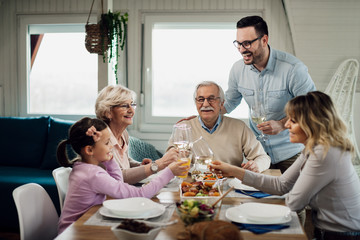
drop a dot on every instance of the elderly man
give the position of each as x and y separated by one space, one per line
229 138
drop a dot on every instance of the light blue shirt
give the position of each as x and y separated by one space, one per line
215 126
284 78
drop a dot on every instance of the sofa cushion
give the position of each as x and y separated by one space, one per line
24 140
139 149
58 130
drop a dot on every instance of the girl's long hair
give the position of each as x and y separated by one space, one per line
318 118
78 139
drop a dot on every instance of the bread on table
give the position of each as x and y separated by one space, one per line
211 230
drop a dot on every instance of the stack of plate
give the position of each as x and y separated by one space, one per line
259 213
132 208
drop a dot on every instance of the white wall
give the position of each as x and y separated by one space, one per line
324 33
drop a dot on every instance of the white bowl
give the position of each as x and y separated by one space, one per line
131 207
126 234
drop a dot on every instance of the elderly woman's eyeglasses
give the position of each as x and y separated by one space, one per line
245 44
126 106
211 99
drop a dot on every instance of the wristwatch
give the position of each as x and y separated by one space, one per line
154 167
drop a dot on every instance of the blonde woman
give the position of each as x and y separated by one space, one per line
323 176
115 105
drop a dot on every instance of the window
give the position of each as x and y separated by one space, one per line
63 76
58 75
180 52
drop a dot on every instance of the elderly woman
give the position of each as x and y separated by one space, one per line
323 176
115 105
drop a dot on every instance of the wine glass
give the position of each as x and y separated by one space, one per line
181 138
258 116
203 154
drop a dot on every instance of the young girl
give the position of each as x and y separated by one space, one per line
89 183
323 176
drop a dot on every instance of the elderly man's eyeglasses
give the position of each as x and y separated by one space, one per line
211 99
126 106
245 44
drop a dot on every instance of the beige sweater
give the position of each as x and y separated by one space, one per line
231 141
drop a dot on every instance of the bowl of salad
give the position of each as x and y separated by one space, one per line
192 211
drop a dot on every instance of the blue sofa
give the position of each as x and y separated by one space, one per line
28 154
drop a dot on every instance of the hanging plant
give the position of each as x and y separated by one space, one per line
113 26
107 36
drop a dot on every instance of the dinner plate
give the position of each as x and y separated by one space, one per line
157 212
132 207
259 213
237 184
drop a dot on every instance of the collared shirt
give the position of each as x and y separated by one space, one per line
284 78
215 126
120 152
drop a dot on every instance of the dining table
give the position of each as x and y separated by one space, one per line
92 225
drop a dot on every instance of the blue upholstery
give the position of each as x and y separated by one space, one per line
138 150
58 131
23 141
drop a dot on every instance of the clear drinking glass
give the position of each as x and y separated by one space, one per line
181 136
203 155
258 116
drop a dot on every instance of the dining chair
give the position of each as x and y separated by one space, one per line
38 218
61 176
342 89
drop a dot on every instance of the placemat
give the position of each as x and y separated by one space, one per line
98 220
295 226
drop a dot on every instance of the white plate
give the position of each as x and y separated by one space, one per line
237 184
157 212
259 213
131 207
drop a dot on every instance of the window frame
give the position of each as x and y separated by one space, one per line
24 60
148 122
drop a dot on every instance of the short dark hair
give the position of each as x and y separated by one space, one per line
254 21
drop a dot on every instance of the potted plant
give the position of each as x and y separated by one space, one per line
106 37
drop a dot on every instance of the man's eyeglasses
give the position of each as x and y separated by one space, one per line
245 44
211 99
126 106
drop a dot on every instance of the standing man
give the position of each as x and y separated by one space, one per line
271 77
229 138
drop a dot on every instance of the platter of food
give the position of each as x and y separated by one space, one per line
200 191
206 177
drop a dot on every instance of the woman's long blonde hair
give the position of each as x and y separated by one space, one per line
318 118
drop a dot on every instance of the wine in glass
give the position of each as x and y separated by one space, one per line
203 155
258 116
181 138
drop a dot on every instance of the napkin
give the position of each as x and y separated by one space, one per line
255 194
260 228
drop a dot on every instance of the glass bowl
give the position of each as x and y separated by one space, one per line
191 217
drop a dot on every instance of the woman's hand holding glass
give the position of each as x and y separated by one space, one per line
178 168
169 157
